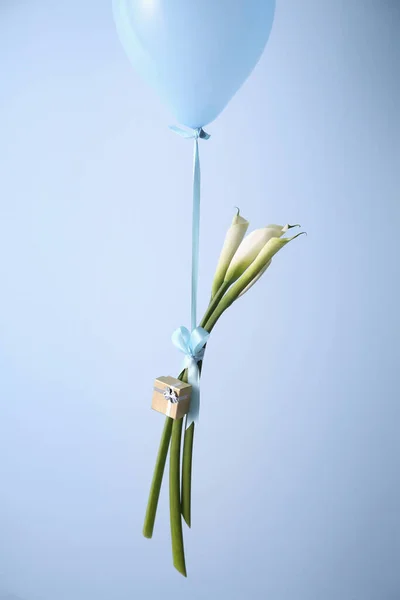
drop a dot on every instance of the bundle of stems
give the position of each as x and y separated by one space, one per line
241 264
180 482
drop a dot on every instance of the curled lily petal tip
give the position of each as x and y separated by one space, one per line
299 234
287 227
238 210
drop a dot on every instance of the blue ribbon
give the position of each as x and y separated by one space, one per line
192 346
181 338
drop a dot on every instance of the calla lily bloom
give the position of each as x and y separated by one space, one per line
246 254
233 239
250 248
253 272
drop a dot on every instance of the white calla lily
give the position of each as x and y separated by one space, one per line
247 265
259 265
250 248
233 239
262 271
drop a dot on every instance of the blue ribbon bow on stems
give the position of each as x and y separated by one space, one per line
192 346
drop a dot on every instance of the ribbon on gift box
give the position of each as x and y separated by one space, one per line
170 395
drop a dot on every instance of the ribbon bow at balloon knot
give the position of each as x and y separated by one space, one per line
191 134
192 345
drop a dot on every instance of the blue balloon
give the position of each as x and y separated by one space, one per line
195 53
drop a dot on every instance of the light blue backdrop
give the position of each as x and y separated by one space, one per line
296 493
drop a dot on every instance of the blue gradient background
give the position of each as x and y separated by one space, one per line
296 470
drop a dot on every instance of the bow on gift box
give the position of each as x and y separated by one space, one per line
170 394
192 346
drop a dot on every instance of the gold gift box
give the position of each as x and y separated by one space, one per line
171 397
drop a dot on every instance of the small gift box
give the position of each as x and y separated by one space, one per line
171 397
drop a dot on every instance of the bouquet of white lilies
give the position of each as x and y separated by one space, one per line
243 260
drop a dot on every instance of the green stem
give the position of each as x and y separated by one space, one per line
221 308
208 323
189 432
157 479
187 474
187 470
178 552
214 303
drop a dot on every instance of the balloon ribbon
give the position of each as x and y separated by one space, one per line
192 344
